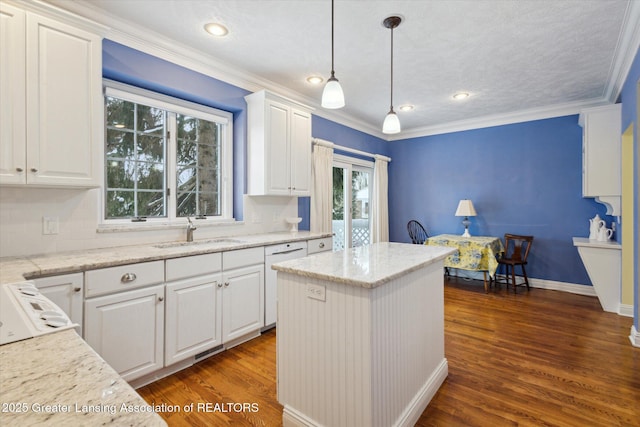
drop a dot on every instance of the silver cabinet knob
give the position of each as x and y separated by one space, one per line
128 277
321 245
226 284
77 289
219 284
34 170
160 299
19 169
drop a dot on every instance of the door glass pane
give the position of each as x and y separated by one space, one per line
338 217
360 200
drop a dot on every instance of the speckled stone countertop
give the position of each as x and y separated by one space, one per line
58 380
18 268
366 266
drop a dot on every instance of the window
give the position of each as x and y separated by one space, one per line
165 158
352 181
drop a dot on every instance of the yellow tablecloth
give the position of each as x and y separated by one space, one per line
476 253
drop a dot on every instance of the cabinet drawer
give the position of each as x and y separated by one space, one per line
242 258
319 245
123 278
191 266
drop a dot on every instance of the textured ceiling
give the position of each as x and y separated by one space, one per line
512 56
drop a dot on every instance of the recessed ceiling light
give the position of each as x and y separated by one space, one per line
216 29
460 95
406 107
315 80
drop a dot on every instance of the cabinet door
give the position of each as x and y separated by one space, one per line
66 292
242 302
193 314
300 148
277 146
127 330
64 104
12 88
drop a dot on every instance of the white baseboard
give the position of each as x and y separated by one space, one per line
573 288
634 337
626 310
414 410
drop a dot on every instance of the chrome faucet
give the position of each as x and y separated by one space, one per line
190 230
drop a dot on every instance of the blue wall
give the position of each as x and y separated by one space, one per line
629 101
523 178
130 66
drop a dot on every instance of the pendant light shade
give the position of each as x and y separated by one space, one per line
391 123
332 96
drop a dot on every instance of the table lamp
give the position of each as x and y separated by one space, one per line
466 209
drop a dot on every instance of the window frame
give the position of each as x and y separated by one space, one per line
173 107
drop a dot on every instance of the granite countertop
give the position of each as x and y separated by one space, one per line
57 379
366 266
17 269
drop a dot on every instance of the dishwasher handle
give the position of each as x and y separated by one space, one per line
286 252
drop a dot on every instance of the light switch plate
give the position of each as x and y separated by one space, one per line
50 225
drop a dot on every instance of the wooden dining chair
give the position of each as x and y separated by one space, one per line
417 233
516 252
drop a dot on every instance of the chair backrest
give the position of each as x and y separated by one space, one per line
517 247
417 233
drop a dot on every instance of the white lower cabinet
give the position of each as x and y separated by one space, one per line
66 292
127 330
193 317
242 302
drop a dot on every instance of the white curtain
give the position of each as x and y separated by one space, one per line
322 192
380 223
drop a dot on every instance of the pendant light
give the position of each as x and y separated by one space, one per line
332 96
391 122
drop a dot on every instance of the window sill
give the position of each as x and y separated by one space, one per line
163 225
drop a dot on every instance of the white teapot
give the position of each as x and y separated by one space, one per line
595 225
604 234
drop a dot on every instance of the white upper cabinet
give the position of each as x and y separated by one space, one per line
279 146
52 116
601 170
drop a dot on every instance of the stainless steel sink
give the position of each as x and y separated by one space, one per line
198 243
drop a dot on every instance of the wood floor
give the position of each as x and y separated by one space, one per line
537 358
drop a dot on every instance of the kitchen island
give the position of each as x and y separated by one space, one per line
361 335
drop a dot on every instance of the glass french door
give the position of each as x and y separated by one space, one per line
352 192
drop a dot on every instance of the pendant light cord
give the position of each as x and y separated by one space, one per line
332 71
391 107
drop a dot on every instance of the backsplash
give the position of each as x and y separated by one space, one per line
77 212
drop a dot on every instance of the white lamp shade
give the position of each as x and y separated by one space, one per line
332 96
465 208
391 123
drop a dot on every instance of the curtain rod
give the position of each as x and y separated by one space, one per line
330 144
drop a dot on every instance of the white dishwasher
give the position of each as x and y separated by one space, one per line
272 255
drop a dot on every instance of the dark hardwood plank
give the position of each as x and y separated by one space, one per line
536 358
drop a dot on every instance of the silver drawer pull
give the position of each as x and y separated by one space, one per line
226 284
19 169
77 289
219 284
128 277
160 299
321 245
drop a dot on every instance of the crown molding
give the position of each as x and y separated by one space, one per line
626 50
62 14
541 113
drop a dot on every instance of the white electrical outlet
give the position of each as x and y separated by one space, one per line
50 225
316 292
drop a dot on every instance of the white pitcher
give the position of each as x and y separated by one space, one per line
595 225
604 234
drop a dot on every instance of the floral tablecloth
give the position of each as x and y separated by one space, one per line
477 253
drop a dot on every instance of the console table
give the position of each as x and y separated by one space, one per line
475 253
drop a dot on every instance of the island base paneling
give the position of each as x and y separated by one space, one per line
361 356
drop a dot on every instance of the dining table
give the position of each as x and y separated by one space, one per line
474 253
